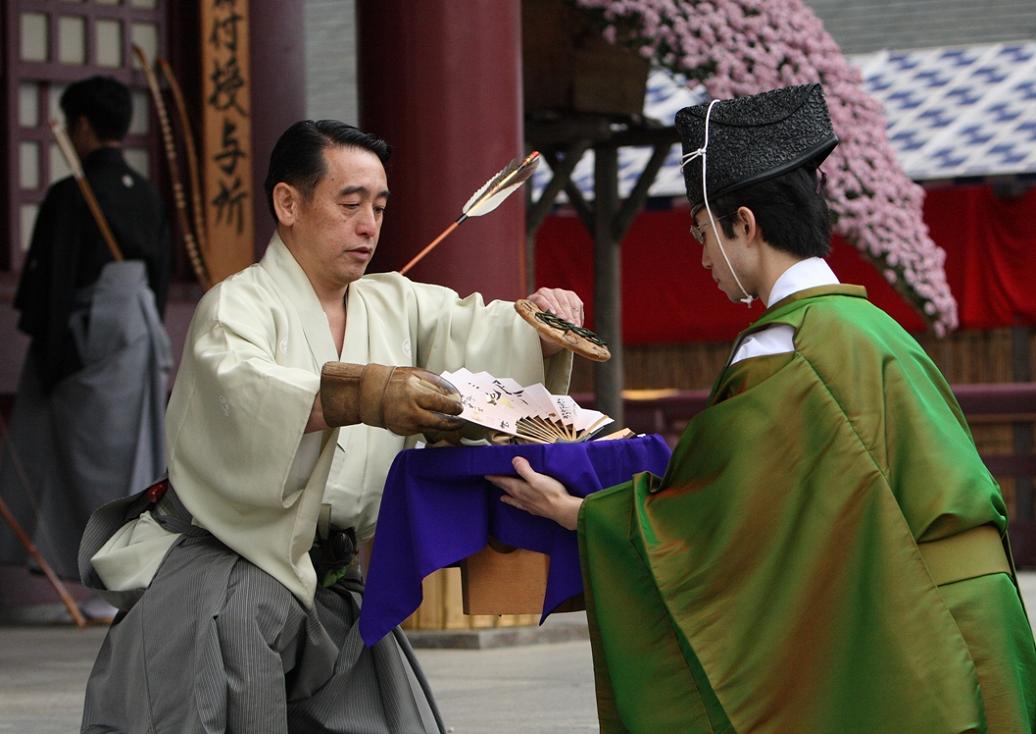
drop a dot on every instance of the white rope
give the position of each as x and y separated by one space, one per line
703 152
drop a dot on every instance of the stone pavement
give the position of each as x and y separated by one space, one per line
522 689
518 689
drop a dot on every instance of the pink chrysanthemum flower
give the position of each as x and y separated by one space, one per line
741 47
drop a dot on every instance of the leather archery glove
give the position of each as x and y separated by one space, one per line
405 400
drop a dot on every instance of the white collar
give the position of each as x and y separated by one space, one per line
808 273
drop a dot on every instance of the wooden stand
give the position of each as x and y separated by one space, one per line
499 586
503 580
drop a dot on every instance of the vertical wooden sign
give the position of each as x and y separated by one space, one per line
226 136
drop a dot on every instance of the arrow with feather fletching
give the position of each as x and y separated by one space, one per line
486 199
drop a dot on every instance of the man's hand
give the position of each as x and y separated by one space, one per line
417 400
538 494
405 400
562 303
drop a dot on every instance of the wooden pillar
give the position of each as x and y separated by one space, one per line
441 82
608 281
278 62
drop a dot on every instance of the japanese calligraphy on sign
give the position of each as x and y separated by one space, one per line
227 135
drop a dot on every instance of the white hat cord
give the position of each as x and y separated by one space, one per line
703 152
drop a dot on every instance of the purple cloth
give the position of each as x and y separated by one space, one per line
438 509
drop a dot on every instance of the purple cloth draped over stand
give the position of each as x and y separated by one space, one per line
437 510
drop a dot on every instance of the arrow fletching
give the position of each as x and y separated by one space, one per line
500 186
485 200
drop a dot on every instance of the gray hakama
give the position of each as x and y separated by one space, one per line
98 434
217 645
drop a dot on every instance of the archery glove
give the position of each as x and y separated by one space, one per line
405 400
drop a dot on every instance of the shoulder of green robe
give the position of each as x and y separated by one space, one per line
831 323
835 320
790 310
836 323
825 301
747 374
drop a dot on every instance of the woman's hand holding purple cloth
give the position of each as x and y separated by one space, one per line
538 494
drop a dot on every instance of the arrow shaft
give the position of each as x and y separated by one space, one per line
431 245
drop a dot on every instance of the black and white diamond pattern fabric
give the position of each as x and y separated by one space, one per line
952 113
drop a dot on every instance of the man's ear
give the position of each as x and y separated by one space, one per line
286 201
746 224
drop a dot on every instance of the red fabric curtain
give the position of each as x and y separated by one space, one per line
667 297
990 245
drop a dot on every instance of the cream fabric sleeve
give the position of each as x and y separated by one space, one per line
454 332
235 427
393 320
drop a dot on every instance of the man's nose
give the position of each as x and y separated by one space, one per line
367 223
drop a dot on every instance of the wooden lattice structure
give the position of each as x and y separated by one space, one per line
46 46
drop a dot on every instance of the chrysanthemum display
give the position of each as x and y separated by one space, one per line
740 47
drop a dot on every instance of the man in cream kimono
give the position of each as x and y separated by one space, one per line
297 368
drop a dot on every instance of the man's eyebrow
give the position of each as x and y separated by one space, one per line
363 190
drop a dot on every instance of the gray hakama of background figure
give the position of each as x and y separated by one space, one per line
87 422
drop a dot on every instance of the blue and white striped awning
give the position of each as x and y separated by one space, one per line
952 113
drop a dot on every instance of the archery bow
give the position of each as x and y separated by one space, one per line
486 199
201 233
179 197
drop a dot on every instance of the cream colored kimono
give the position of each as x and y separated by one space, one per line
238 456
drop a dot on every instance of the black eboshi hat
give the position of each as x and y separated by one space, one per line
755 138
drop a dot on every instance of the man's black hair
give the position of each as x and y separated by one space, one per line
790 211
298 156
104 102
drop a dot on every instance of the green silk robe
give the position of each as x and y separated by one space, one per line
772 580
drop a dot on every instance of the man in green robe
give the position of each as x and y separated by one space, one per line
827 551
